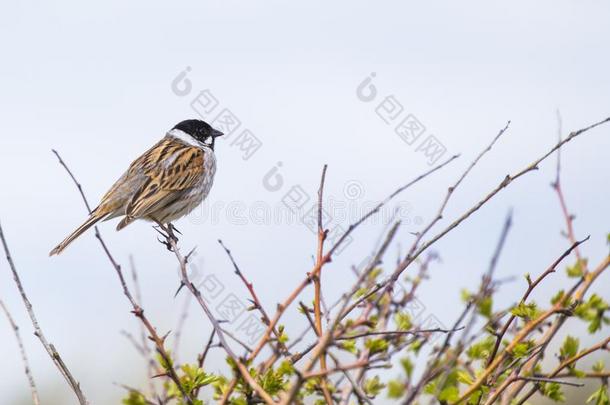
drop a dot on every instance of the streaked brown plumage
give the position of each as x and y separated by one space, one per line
167 182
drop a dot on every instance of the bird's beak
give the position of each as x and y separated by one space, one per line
217 133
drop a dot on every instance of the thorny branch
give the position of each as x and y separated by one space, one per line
137 310
369 321
53 353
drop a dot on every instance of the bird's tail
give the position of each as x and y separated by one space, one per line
93 219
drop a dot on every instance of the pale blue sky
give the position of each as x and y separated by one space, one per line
94 82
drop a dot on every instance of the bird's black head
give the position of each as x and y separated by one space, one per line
200 130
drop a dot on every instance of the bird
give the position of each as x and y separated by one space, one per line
165 183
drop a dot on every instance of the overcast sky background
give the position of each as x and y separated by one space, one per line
94 81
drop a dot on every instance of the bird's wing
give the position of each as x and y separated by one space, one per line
136 174
168 168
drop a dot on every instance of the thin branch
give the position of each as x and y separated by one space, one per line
503 184
24 357
325 340
603 345
317 283
136 391
184 313
202 357
144 341
531 286
569 218
171 242
523 332
383 203
451 190
255 300
400 333
549 380
138 311
327 257
53 353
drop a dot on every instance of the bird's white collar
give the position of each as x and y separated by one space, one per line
186 138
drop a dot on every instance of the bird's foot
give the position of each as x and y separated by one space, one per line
172 231
168 239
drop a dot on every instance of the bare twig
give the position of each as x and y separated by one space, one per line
400 333
523 332
288 301
171 241
327 257
503 184
566 363
202 357
531 286
144 341
549 380
255 300
53 353
317 283
138 311
325 340
184 313
569 218
24 357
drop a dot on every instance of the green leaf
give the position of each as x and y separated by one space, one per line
600 396
485 307
376 345
407 365
465 295
375 273
449 394
416 346
286 368
475 398
273 381
134 398
481 350
373 386
569 347
599 366
192 378
552 391
396 389
577 373
220 387
283 338
165 364
558 297
311 385
349 346
522 349
578 269
403 321
597 302
361 292
593 311
464 377
526 311
430 388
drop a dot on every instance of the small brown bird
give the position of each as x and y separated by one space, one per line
166 183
